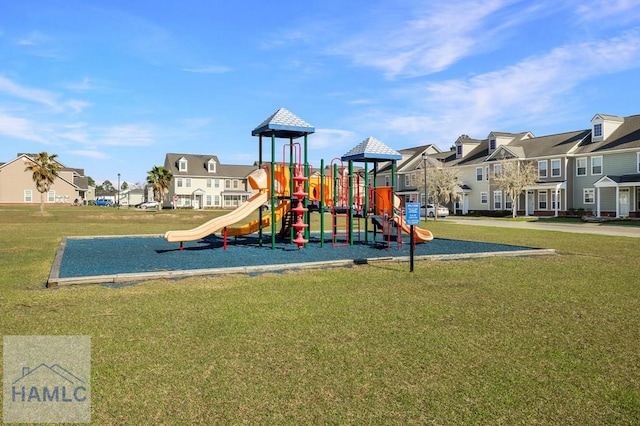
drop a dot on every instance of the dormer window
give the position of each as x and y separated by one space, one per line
211 166
182 165
597 130
492 144
459 150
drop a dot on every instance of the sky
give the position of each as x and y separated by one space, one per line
112 86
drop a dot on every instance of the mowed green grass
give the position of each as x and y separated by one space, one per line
540 340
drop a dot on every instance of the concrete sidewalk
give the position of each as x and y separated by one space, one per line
582 228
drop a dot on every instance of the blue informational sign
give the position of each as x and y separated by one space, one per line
412 215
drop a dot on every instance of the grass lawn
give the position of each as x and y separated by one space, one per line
541 340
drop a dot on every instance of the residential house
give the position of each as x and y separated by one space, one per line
409 171
607 167
200 181
590 171
17 185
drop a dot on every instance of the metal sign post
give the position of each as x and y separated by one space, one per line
412 218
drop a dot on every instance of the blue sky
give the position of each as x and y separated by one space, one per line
111 86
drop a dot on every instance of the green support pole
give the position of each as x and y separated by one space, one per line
273 191
366 202
350 202
393 175
306 189
321 203
292 187
260 211
335 185
334 221
393 185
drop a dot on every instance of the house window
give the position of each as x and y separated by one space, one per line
542 200
497 200
484 198
542 169
187 182
406 180
479 174
492 144
216 183
556 171
235 185
459 150
182 165
216 200
211 166
179 182
597 130
413 179
596 165
589 195
497 169
386 181
51 197
208 200
508 203
486 173
28 196
555 200
209 183
638 161
227 184
581 167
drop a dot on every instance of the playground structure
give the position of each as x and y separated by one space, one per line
291 187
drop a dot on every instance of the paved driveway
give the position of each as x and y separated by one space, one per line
583 228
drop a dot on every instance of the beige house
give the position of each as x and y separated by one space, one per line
17 185
200 181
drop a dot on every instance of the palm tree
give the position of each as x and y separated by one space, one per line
45 170
159 178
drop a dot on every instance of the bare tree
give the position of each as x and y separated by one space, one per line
441 183
514 177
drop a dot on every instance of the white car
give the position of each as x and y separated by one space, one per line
431 211
148 205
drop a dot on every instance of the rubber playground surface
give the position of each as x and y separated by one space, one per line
130 259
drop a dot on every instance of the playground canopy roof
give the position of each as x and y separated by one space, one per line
371 149
283 124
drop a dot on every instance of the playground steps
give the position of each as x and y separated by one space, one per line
339 229
287 222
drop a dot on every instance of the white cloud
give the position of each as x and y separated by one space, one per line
20 128
88 153
208 69
43 97
128 135
331 138
87 85
428 40
535 88
606 12
76 105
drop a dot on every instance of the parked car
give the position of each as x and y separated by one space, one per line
105 202
431 211
148 205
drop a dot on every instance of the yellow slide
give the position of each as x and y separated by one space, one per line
257 180
421 235
208 228
251 227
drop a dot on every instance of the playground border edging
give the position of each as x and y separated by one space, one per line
55 281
